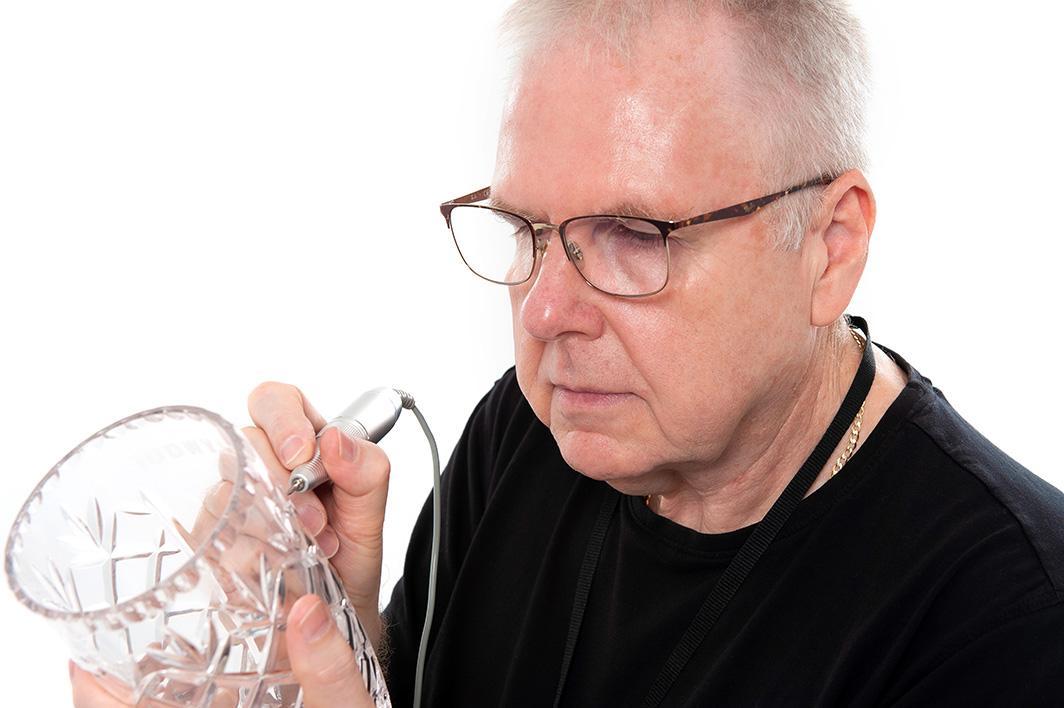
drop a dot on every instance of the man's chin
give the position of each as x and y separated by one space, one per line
595 455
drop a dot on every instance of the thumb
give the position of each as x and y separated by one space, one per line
322 662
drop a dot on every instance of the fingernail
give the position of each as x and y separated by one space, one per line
348 449
315 623
311 518
291 449
328 542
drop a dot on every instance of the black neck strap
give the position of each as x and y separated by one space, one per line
736 571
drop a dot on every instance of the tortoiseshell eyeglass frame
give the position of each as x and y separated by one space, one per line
665 227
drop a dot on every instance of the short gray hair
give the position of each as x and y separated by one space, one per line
805 60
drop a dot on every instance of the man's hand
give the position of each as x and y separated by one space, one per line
322 662
346 517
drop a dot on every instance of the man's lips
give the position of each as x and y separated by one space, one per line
576 388
586 397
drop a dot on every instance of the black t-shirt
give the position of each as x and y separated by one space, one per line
928 572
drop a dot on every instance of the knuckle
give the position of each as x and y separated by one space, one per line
252 431
257 436
376 457
276 406
285 423
261 443
265 389
367 469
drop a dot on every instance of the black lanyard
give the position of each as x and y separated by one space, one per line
744 559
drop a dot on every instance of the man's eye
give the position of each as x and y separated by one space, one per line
635 233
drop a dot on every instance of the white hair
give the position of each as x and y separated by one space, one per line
804 61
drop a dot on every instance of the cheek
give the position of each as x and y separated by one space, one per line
702 358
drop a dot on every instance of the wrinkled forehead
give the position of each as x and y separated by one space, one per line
584 129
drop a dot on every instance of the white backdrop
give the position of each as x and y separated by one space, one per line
199 196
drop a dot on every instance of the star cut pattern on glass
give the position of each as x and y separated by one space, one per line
187 611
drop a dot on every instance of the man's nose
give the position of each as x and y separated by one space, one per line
558 300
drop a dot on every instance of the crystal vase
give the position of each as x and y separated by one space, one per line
169 558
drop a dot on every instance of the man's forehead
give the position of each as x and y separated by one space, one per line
654 136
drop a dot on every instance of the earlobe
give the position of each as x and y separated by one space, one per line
843 242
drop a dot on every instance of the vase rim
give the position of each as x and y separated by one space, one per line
103 614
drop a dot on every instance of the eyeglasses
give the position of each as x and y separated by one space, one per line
619 255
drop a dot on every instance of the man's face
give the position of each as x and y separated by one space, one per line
691 363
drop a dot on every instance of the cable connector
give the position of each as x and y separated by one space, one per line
408 400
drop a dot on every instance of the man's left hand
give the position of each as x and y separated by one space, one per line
322 662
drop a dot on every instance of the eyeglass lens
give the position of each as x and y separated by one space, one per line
620 255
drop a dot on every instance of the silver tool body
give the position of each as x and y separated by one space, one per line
369 417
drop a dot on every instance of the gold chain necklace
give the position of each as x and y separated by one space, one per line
855 430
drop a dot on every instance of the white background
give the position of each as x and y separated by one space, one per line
199 196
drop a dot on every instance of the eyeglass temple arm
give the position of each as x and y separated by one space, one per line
753 205
476 196
726 213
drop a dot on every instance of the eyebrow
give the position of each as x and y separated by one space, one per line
496 203
624 208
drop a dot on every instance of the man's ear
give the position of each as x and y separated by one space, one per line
838 245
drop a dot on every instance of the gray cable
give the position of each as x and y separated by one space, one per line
431 604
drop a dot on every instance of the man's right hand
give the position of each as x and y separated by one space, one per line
347 516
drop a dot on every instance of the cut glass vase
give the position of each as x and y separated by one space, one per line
169 558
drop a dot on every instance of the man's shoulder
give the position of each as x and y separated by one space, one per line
976 542
986 488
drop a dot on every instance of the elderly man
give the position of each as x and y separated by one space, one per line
702 483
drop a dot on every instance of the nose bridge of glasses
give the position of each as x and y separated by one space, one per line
541 232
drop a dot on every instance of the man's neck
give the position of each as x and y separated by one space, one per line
769 448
